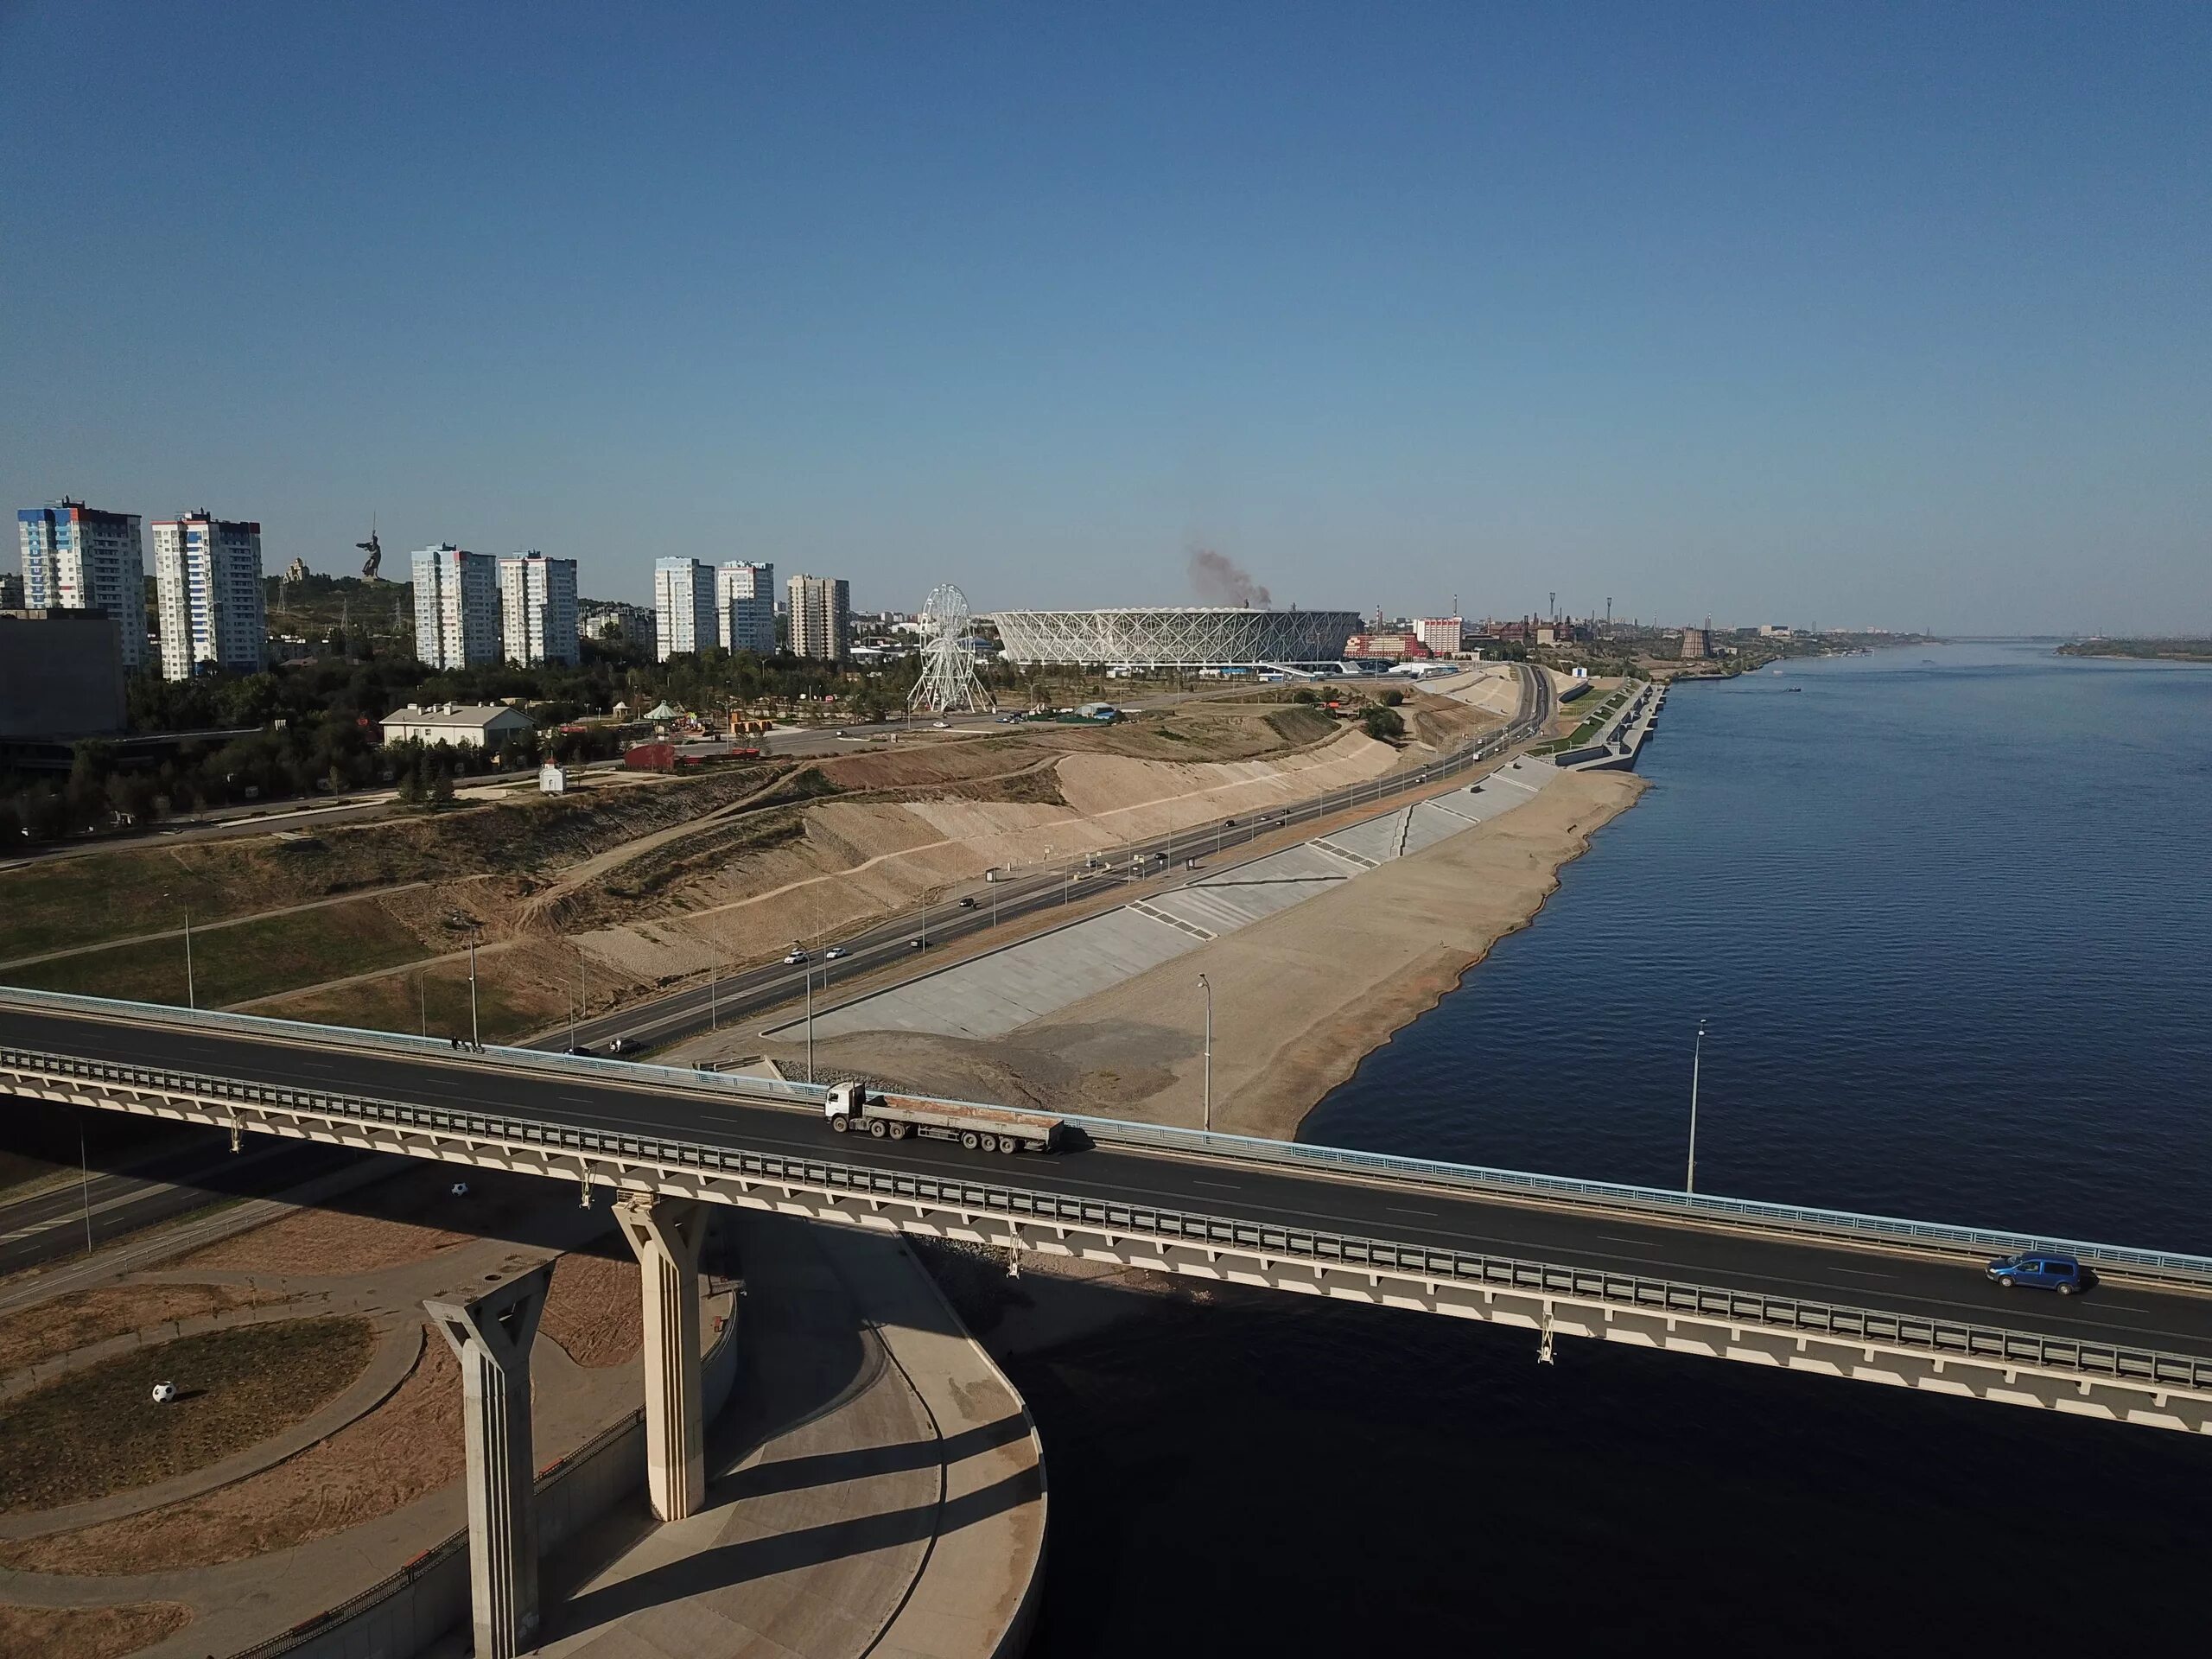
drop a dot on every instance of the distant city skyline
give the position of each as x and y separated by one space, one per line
1888 318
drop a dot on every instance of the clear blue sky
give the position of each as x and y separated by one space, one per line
1847 314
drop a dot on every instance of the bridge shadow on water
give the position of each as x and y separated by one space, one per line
1270 1474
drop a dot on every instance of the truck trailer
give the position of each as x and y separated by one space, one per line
852 1109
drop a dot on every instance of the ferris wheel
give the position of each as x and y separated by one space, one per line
948 682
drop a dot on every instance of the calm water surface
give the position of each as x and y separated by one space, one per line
1946 912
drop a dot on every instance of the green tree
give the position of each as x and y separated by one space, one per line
1383 725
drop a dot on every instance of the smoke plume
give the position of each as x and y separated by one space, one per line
1218 580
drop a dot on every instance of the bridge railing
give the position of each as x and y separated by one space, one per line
2140 1366
2176 1267
1827 1226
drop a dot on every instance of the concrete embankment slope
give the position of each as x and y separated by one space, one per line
877 1486
1301 992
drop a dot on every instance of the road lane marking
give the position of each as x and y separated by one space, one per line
1218 1186
1430 1215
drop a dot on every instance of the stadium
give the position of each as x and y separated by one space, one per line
1190 636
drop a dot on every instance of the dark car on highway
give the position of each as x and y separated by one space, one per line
2042 1270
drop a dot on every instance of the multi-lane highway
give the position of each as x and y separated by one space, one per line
1142 866
653 1103
61 1221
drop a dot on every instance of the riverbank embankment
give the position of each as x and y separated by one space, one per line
1299 998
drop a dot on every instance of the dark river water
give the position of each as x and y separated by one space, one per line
1947 913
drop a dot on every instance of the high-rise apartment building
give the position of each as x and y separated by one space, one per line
745 606
538 610
821 617
456 607
77 558
683 607
207 593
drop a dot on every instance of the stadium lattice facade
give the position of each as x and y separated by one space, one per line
1176 636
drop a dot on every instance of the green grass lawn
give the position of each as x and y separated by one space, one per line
99 1431
231 964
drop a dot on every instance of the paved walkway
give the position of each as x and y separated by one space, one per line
876 1488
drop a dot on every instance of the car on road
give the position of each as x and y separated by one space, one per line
917 944
942 725
835 953
967 904
582 1049
620 1046
794 957
2042 1270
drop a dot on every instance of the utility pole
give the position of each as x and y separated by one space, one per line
1697 1056
576 1008
475 1029
809 1022
191 992
714 989
422 1003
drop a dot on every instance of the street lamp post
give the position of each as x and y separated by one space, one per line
714 989
191 992
475 1028
1697 1056
809 1022
1206 1120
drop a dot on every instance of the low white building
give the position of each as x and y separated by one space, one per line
482 725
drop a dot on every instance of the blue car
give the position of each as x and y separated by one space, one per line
2043 1270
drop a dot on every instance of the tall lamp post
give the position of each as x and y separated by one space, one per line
1206 1120
1697 1056
191 993
475 1029
809 1022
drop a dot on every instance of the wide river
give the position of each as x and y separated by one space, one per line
1947 914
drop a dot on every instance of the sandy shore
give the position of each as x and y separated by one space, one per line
1299 998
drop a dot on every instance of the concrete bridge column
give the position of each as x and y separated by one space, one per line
491 1336
666 1234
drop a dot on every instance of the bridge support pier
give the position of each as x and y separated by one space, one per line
491 1336
666 1234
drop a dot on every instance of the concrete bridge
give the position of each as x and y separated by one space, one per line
1873 1299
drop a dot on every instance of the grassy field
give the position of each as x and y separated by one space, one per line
439 1005
233 964
90 1632
97 1431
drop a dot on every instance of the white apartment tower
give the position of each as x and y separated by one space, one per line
77 558
456 607
208 593
538 610
821 617
745 606
683 607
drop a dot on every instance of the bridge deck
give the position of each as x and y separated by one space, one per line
2175 1321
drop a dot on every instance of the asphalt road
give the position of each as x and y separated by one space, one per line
51 1225
1558 1234
664 1020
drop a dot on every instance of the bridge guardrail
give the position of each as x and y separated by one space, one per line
2169 1267
2145 1367
1658 1203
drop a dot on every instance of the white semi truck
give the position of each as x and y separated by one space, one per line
852 1109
